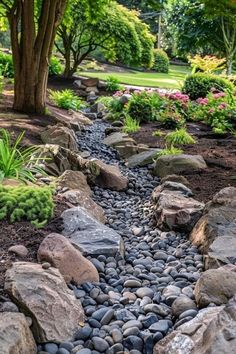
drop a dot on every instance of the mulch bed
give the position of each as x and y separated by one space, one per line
219 153
23 233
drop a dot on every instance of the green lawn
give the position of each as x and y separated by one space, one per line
174 79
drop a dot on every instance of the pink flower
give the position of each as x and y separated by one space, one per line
211 110
202 101
218 95
222 105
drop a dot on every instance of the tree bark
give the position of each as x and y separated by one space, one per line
32 51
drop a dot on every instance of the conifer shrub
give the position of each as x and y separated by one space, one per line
33 204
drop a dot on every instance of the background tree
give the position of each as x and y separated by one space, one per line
116 30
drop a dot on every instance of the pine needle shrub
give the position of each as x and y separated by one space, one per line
34 204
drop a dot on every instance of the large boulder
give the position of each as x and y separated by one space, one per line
123 143
44 296
82 199
215 286
60 135
143 158
15 335
215 232
212 331
174 208
89 235
74 180
109 176
189 338
178 164
61 254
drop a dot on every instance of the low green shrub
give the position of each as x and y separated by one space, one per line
15 161
161 61
199 85
66 99
55 67
179 137
131 125
171 117
144 106
106 100
113 84
6 65
34 204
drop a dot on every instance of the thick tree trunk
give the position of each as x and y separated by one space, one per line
229 65
32 51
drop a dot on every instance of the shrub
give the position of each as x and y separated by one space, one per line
55 67
207 64
161 61
199 85
66 99
169 151
34 204
179 137
217 110
112 84
6 65
106 100
131 125
170 117
145 106
17 162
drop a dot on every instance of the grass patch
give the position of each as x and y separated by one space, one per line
173 80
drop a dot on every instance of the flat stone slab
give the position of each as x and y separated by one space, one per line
89 235
117 138
143 158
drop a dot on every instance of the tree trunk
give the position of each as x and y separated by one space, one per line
229 64
32 51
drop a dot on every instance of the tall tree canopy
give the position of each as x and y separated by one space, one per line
120 34
33 25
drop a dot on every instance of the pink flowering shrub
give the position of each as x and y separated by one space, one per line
218 110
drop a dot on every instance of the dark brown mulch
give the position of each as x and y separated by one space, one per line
23 233
218 151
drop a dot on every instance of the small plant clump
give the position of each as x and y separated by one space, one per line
131 125
158 133
15 161
66 99
113 84
6 65
55 67
169 151
33 204
179 137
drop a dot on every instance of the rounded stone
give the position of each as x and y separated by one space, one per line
182 304
100 344
132 283
142 292
51 348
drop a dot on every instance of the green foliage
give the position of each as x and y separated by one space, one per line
169 151
179 137
171 117
158 133
34 204
161 61
131 125
66 99
106 100
6 65
15 161
207 64
112 84
217 110
55 67
144 106
199 85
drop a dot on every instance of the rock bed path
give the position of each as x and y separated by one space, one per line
143 296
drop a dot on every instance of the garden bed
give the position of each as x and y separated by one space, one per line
217 151
23 233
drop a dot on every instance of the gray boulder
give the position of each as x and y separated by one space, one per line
15 335
215 232
174 208
60 135
143 158
89 235
44 295
177 164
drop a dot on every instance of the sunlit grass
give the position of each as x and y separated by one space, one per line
174 79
